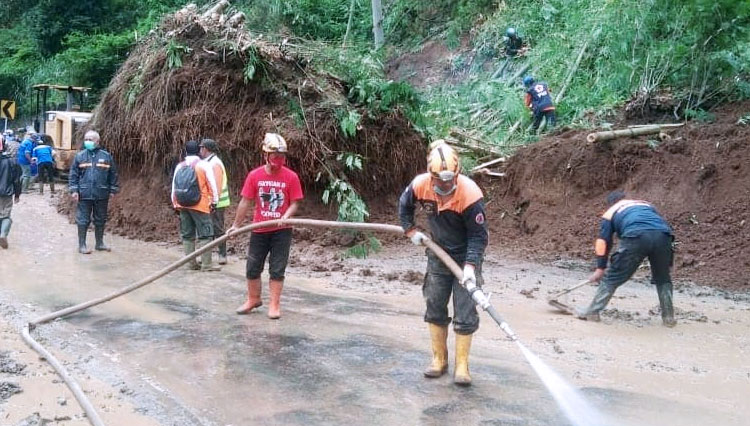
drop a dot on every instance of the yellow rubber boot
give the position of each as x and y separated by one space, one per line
253 297
274 305
439 336
461 375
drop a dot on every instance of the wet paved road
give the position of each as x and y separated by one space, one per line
332 359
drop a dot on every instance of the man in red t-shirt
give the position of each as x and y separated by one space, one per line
276 191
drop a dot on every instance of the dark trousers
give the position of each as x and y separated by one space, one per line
193 222
551 119
87 208
46 172
654 245
217 217
277 244
439 284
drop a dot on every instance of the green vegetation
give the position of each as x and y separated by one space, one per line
697 52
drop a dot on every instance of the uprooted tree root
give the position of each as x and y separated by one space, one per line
196 78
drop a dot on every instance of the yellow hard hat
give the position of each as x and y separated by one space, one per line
442 162
273 142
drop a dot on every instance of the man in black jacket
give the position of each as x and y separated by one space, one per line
92 179
455 208
10 191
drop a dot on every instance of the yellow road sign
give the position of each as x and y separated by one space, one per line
8 110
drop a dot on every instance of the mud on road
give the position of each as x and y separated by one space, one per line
351 344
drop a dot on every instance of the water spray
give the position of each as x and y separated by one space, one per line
576 408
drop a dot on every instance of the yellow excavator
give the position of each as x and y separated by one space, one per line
61 124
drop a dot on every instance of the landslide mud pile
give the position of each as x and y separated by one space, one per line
206 77
554 192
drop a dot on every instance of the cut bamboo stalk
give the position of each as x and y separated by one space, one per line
631 132
489 163
236 20
488 172
216 9
572 72
666 126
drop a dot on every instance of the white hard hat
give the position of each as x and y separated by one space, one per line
273 142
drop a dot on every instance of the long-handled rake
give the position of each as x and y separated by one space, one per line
562 306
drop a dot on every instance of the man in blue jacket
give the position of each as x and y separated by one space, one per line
23 158
43 155
642 233
92 179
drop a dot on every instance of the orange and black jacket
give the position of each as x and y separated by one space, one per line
538 98
458 226
627 219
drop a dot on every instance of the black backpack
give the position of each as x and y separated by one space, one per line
186 187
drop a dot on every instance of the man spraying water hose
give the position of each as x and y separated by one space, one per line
455 209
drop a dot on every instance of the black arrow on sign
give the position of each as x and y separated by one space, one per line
6 110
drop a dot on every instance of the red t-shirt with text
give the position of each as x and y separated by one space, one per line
273 193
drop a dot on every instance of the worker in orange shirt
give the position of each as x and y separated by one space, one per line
194 196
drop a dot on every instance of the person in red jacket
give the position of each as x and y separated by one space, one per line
276 191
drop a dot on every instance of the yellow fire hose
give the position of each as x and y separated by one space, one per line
93 417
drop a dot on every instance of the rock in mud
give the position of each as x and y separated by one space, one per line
413 277
34 420
529 293
8 389
9 365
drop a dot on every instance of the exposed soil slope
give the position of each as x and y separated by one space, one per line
700 180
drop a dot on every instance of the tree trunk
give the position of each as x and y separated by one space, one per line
349 23
377 23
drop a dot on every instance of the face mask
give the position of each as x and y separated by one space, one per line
277 161
439 191
90 145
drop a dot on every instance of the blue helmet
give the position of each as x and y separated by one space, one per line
510 32
528 81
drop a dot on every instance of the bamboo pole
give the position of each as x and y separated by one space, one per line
216 9
572 72
489 163
631 132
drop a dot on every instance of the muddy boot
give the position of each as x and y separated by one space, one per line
189 247
41 188
274 305
253 298
603 294
223 254
461 375
439 337
25 184
584 314
206 261
4 231
52 186
665 302
82 248
99 235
